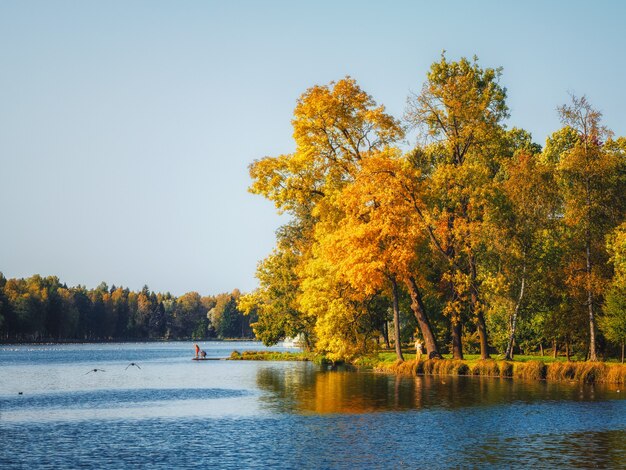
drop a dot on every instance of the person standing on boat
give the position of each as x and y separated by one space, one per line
197 349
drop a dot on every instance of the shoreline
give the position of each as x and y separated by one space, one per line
582 372
536 370
127 340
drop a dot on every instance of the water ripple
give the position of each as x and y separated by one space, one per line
112 398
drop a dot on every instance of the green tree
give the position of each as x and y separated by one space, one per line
588 177
275 301
526 217
613 324
228 320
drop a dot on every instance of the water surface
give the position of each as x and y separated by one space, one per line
171 412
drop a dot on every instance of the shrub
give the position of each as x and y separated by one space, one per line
400 367
591 372
428 366
486 367
440 367
616 374
561 371
531 370
461 368
587 372
506 369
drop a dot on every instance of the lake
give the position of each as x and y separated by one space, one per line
171 412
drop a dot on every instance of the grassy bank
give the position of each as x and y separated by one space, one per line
586 372
524 367
276 356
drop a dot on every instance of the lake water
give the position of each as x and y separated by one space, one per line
171 412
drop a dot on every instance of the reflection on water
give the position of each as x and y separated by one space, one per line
113 398
177 413
318 390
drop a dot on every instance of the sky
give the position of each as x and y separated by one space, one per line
127 127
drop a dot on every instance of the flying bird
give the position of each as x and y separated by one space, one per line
96 370
132 364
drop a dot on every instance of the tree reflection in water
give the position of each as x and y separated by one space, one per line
309 389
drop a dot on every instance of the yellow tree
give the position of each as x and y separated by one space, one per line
344 322
378 241
459 111
336 127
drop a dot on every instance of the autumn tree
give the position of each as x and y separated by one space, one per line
189 315
460 112
380 243
336 127
226 317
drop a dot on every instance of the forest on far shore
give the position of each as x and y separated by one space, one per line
45 309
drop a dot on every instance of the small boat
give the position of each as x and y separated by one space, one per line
296 342
205 358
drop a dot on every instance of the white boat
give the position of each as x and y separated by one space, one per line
292 342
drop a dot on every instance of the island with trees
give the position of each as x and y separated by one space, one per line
476 239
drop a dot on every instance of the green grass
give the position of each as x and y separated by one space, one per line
523 367
277 356
409 355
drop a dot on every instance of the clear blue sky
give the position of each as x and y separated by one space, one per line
126 127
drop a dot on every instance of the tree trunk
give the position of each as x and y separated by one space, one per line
592 322
482 335
541 348
567 351
622 351
396 320
477 311
417 305
457 345
456 330
509 348
386 334
593 356
556 349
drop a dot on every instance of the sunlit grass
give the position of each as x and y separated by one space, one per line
524 367
277 356
390 356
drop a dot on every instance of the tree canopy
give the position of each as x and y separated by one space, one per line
476 239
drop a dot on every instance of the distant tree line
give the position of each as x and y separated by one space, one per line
43 308
477 237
